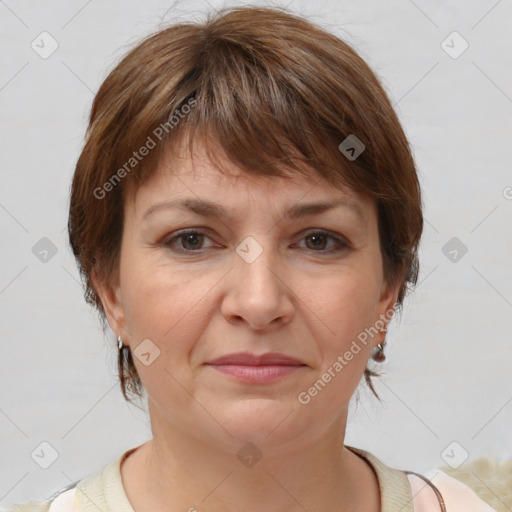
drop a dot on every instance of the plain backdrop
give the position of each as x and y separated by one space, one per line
446 391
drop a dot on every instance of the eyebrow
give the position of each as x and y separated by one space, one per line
212 209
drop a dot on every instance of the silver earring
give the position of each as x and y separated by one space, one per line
379 355
122 352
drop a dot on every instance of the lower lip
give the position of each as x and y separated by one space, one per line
261 374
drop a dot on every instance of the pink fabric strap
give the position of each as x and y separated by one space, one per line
455 495
64 502
434 488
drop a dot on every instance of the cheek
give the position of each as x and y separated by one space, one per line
167 306
159 309
345 307
344 304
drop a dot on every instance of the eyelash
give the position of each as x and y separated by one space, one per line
340 244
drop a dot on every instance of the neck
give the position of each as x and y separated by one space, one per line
176 471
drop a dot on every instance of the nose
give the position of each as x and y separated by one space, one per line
259 293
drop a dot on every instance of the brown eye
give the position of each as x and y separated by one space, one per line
318 241
191 240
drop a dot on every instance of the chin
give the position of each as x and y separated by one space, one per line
263 421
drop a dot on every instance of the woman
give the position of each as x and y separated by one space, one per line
246 215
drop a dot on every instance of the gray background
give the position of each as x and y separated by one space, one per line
448 376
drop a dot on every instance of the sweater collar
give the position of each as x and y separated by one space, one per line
395 491
105 491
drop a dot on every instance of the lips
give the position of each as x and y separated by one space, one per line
253 369
248 359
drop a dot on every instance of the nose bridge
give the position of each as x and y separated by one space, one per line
256 261
257 293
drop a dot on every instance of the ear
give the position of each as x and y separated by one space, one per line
386 307
111 298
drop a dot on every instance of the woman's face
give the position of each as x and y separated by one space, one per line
268 275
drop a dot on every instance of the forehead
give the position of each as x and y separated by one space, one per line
180 174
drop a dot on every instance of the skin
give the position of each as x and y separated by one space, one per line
298 298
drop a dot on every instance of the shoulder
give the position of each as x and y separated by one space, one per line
488 477
457 496
64 502
103 487
61 501
29 506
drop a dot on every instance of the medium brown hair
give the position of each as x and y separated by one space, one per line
278 94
